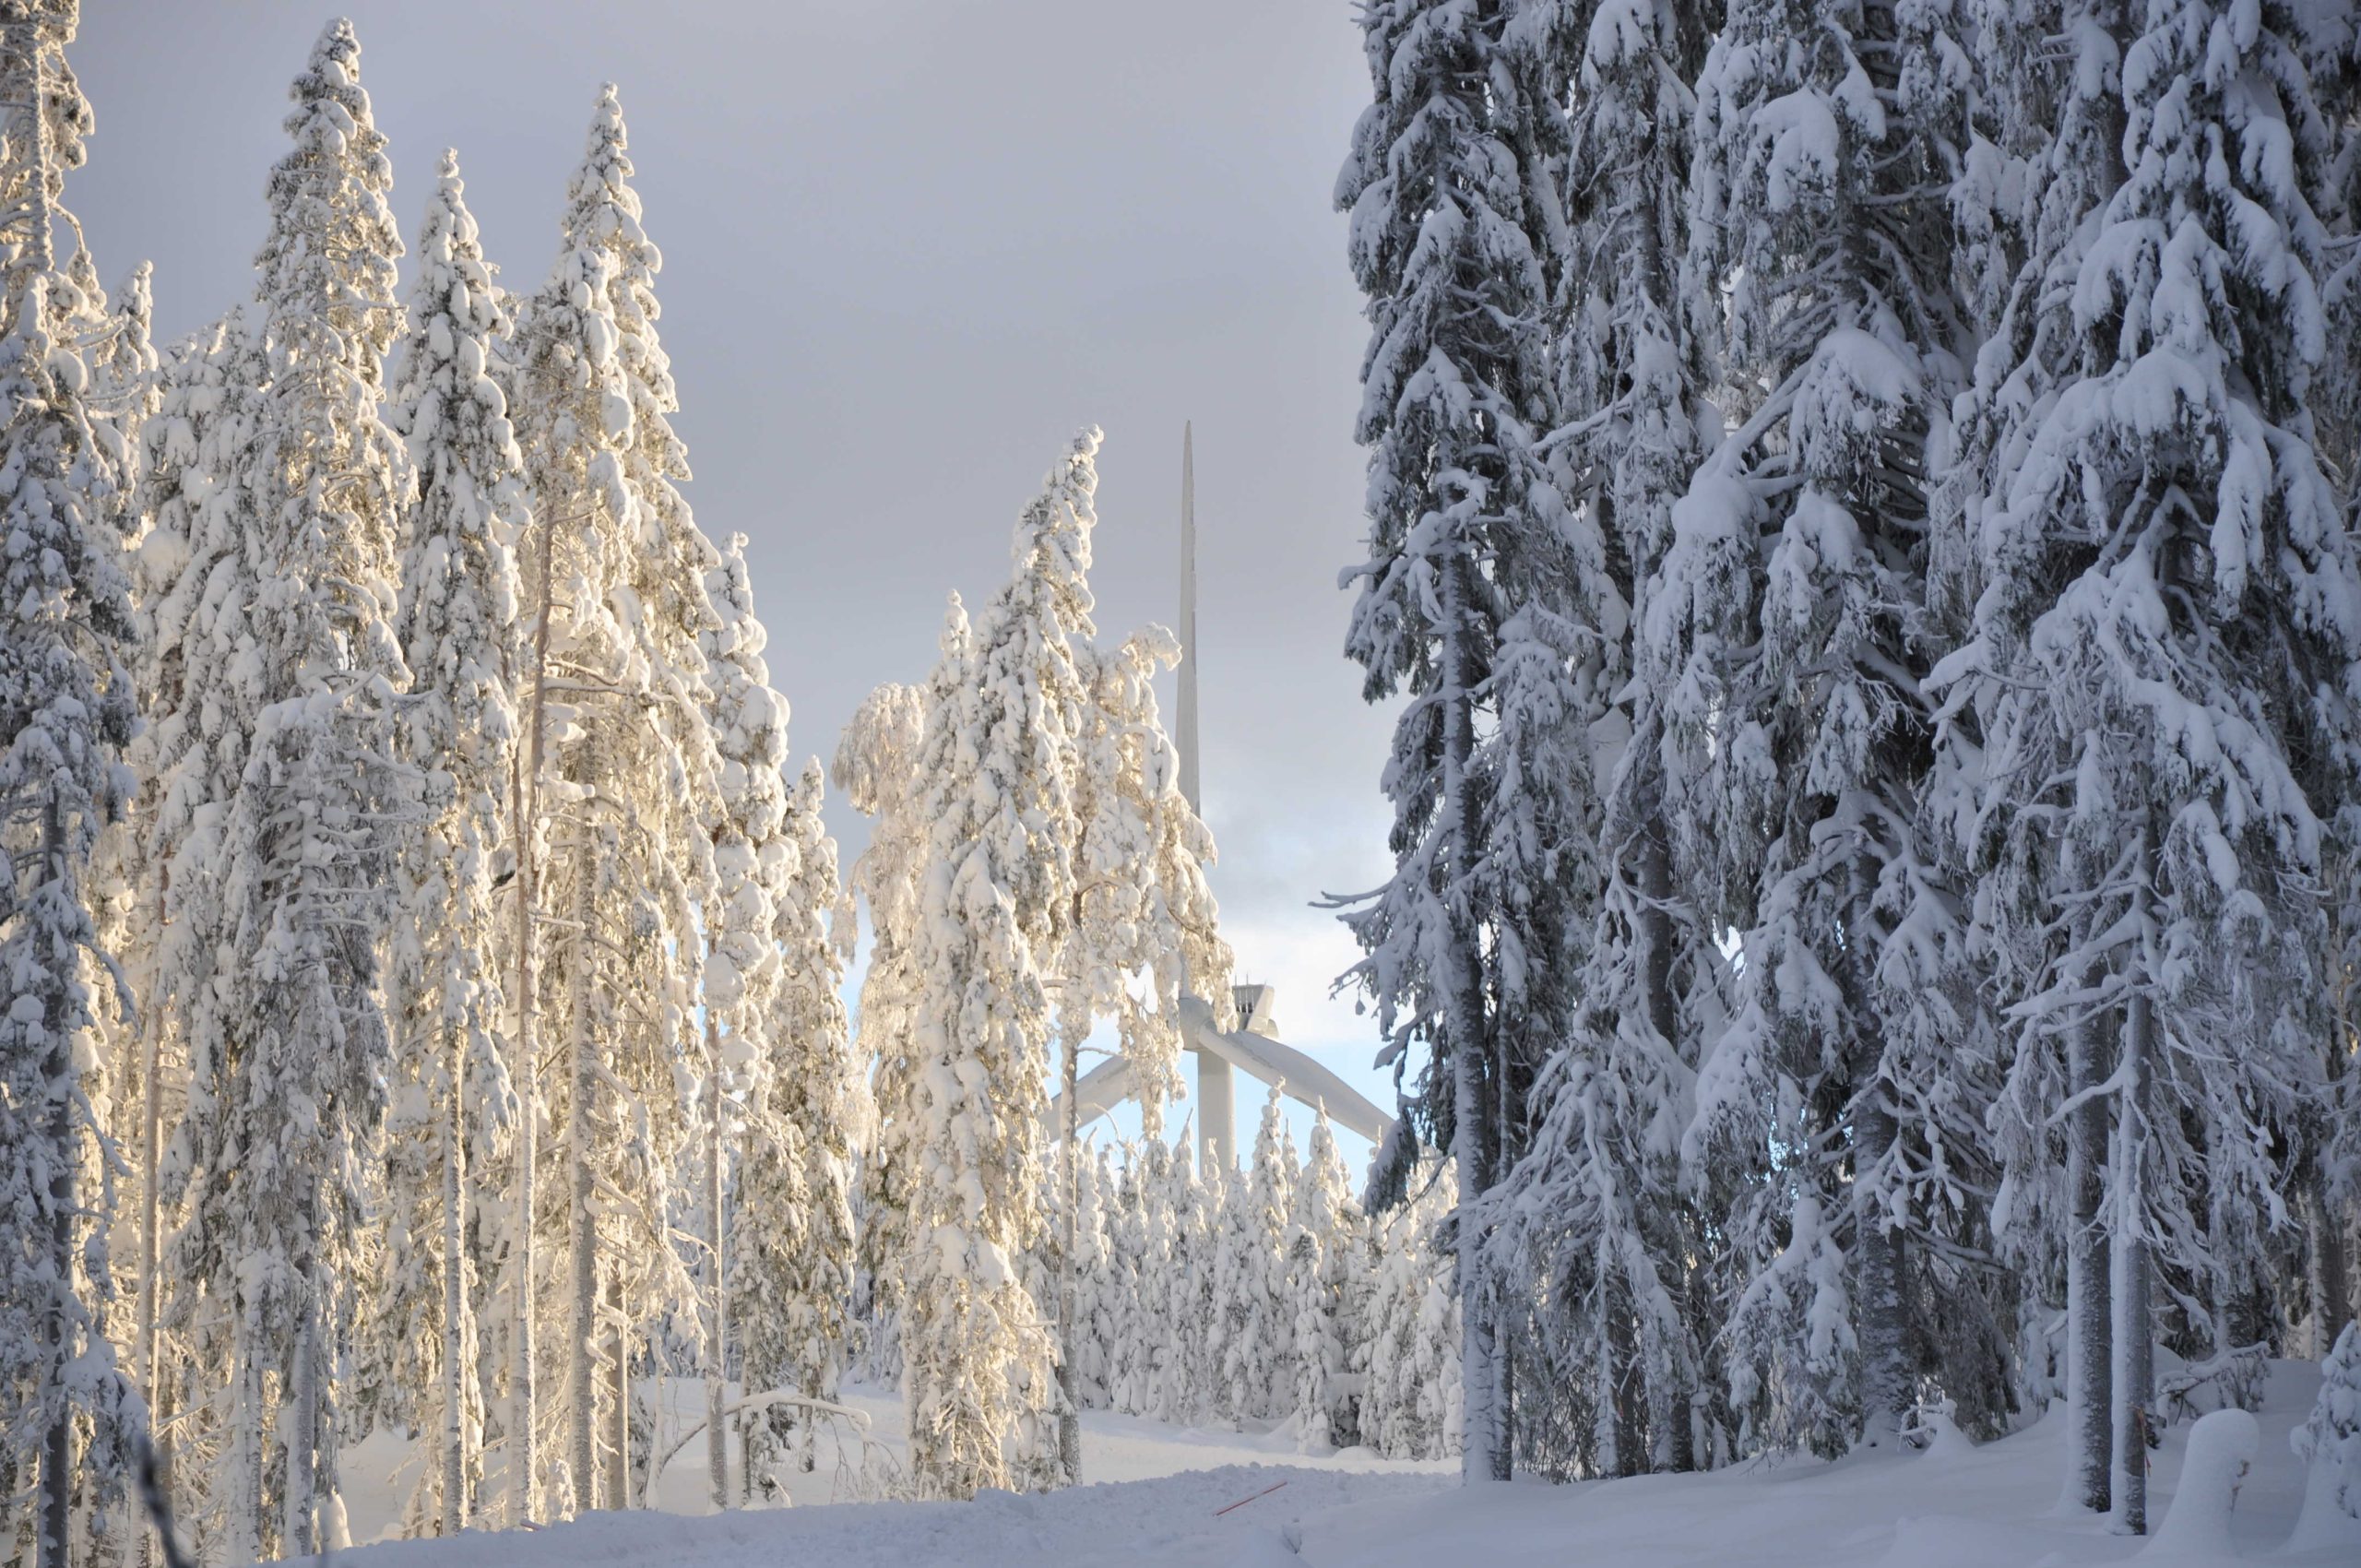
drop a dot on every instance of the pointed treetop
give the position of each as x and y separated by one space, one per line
955 639
603 210
333 239
331 75
449 226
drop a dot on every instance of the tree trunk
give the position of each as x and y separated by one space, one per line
619 1487
2331 1292
303 1428
2089 1323
2134 1339
717 1440
55 1507
1069 1383
1885 1374
243 1524
524 801
145 1357
454 1308
1627 1448
1678 1443
1484 1439
582 1228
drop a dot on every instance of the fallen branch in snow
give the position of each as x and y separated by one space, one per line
1245 1501
860 1420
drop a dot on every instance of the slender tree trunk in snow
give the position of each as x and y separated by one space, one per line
1885 1374
454 1305
717 1439
145 1357
1484 1447
2331 1294
2089 1310
57 1070
244 1488
524 799
1678 1444
1069 1383
302 1423
2135 1352
1621 1425
1885 1381
583 1236
619 1490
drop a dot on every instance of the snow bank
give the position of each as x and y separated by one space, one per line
1988 1506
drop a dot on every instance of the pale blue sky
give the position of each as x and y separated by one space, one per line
910 247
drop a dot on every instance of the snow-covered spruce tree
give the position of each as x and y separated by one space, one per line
1260 1367
748 720
1180 1253
787 1246
2330 1445
1143 921
67 1414
876 768
283 893
1141 925
999 760
1795 645
616 701
1630 379
1325 1248
2038 188
460 635
1130 1358
2164 642
1466 532
1095 1267
186 758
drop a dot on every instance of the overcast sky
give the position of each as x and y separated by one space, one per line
910 247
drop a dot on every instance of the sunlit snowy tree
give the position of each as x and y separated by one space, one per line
1469 545
999 763
2165 635
67 1412
621 859
459 633
285 889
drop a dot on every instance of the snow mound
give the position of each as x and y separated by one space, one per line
2222 1448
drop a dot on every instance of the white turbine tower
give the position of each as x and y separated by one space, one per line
1217 1092
1251 1049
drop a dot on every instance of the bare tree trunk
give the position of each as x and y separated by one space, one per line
1621 1411
55 1508
1069 1380
525 804
244 1518
2134 1337
1484 1450
1885 1380
583 1347
2090 1321
717 1442
146 1358
1677 1444
455 1337
619 1488
304 1425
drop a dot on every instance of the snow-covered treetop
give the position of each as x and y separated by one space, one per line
459 584
329 473
749 722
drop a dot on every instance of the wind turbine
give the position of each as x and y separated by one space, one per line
1252 1047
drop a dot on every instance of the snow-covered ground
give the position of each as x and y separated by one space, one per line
1170 1499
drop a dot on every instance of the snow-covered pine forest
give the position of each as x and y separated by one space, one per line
1863 501
1864 560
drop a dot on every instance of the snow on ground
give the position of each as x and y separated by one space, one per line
1160 1493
